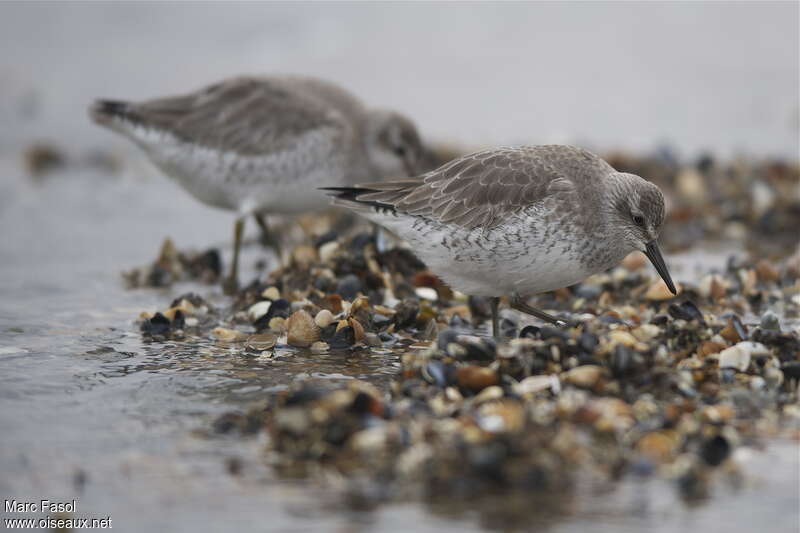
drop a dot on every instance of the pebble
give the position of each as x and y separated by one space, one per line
258 309
349 287
328 250
324 318
736 357
271 293
766 271
475 378
734 330
228 335
301 330
585 376
770 320
427 293
634 261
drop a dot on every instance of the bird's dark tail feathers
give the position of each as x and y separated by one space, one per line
104 111
349 197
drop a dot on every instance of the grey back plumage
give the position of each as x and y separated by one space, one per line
251 115
484 188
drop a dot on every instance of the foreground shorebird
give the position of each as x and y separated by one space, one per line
518 221
258 145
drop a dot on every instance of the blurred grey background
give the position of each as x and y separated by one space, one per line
695 76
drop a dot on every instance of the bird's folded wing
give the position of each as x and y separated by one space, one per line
484 188
246 115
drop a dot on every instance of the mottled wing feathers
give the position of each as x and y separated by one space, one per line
484 188
248 116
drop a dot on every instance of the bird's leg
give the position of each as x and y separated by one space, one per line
267 237
495 303
518 303
231 284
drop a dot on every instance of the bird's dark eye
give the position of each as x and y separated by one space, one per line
638 220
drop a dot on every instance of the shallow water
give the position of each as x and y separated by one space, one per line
92 412
89 411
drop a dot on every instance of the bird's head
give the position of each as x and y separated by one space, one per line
637 217
393 145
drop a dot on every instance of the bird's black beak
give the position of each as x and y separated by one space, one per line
654 255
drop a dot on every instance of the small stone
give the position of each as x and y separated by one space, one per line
328 250
324 318
427 293
646 332
258 309
304 255
319 347
769 320
301 329
709 347
277 323
623 337
585 376
475 378
659 291
271 293
658 446
715 450
535 384
735 357
228 335
713 287
349 287
766 271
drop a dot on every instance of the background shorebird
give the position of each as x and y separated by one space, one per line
258 145
518 221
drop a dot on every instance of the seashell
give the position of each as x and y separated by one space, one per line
734 331
228 335
535 384
261 341
319 347
301 329
659 291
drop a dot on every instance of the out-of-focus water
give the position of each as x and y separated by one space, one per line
88 411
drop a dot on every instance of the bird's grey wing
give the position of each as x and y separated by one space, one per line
245 115
484 188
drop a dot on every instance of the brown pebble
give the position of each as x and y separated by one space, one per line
657 445
476 378
304 255
301 329
585 376
766 271
709 347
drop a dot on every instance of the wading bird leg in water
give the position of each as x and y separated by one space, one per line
231 284
268 238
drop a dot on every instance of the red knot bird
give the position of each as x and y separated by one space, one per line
258 145
518 221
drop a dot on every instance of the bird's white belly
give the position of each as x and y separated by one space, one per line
278 183
488 265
